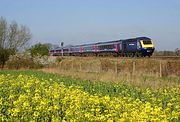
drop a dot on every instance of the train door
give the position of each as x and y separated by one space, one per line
124 47
138 45
120 47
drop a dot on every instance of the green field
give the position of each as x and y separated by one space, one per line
37 96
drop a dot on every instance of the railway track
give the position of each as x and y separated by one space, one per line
112 57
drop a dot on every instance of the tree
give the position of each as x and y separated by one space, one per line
3 32
13 36
39 49
12 39
49 45
177 52
4 56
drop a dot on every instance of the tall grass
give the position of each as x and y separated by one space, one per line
139 72
146 66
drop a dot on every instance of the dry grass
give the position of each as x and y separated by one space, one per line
145 66
139 72
143 81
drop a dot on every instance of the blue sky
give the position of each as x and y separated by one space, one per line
88 21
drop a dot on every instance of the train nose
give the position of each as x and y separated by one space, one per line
148 51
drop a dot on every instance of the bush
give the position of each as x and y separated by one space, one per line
4 56
43 60
20 61
26 61
39 50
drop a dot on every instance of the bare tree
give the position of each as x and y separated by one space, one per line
3 32
12 36
177 51
12 39
13 33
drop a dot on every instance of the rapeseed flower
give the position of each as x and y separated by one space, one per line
27 98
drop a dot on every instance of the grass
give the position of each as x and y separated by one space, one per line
147 66
138 72
109 77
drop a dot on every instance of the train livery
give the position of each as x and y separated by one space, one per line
139 47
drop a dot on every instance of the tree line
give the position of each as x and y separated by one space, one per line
176 52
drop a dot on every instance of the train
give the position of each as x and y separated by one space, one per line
133 47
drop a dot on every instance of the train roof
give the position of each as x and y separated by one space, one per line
143 38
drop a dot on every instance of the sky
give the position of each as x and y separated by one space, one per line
87 21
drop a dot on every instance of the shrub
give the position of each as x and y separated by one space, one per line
43 60
26 61
20 61
4 56
39 49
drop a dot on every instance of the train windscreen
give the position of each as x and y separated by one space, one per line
147 42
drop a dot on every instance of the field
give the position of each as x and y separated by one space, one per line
37 96
143 72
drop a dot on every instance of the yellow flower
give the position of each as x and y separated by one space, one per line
1 101
52 100
36 114
15 111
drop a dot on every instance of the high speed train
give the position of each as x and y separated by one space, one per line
139 47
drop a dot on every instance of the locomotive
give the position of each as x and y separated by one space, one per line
139 47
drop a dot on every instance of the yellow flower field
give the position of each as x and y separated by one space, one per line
28 98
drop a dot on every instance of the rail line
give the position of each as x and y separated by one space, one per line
118 57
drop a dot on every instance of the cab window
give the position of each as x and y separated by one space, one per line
147 42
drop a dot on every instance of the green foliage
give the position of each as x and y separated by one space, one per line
39 49
4 56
